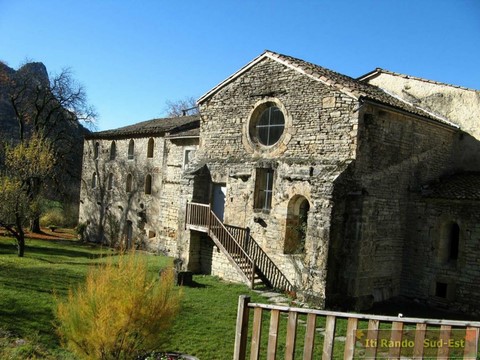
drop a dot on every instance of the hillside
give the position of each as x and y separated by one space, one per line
24 87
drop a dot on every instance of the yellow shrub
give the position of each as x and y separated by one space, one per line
119 311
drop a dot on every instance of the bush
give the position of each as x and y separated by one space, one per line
53 217
119 312
81 229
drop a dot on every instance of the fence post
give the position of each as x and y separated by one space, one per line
247 238
253 274
241 331
208 219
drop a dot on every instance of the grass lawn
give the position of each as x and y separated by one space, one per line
205 326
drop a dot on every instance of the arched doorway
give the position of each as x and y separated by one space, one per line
128 234
296 226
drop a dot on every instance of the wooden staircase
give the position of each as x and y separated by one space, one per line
240 248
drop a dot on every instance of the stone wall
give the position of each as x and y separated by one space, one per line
109 206
424 265
396 155
319 141
459 105
176 190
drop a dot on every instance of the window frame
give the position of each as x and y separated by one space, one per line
113 150
148 184
94 182
96 150
250 137
110 181
261 130
150 148
129 183
131 150
264 181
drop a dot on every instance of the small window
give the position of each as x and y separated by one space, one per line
441 289
150 147
96 150
113 150
129 183
267 124
454 238
131 150
94 180
449 245
148 184
263 189
188 156
110 181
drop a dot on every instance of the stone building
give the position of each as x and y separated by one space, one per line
347 191
132 179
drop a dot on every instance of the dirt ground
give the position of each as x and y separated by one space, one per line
48 234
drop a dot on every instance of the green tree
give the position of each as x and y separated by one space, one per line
26 165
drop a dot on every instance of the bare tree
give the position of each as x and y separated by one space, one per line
54 107
187 106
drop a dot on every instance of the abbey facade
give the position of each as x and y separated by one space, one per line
345 191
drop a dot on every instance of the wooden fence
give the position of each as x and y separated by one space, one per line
289 333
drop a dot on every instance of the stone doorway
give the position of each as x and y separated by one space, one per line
219 192
128 234
296 225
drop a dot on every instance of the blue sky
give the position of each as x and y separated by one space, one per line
133 56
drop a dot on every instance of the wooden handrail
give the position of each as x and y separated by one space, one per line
242 244
269 270
366 336
201 216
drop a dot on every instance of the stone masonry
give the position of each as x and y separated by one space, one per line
359 190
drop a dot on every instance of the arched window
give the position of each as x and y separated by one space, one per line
129 183
113 150
150 147
131 150
296 225
449 243
96 150
128 234
148 184
110 181
94 180
454 241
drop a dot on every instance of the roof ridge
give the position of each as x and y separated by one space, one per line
153 126
406 76
430 113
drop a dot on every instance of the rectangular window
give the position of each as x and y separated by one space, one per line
263 189
441 289
188 155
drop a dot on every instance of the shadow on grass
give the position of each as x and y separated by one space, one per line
11 248
194 284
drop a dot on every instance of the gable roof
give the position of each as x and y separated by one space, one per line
462 186
378 71
353 88
179 126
